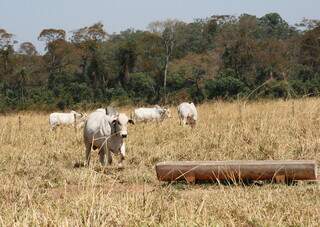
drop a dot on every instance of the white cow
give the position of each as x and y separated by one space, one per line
188 114
156 113
106 133
56 119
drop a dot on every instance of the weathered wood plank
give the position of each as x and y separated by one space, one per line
237 170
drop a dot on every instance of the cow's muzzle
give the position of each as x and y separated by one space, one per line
124 135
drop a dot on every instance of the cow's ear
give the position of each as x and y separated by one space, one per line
131 121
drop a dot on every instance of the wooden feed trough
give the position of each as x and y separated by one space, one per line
279 171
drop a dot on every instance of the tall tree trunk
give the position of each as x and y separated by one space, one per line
165 79
6 60
83 65
169 48
94 80
126 74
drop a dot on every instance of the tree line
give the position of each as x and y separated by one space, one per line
220 57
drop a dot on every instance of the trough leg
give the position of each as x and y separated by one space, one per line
280 179
190 178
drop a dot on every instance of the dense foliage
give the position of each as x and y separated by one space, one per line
222 57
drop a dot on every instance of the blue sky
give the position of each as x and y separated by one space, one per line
26 18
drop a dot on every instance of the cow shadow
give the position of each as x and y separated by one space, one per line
108 169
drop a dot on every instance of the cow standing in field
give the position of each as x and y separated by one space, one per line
106 133
156 113
188 114
56 119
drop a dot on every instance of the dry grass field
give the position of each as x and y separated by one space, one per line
41 187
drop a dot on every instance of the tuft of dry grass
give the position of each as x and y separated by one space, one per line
40 186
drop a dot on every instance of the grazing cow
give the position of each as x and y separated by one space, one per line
106 133
56 119
111 111
187 113
156 113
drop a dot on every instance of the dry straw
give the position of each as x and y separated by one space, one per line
40 187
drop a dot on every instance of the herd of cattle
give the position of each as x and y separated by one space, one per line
105 129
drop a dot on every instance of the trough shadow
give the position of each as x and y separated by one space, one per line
182 184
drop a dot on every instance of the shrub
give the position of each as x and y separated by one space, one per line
224 87
142 87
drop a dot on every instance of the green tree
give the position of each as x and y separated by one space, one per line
6 52
27 48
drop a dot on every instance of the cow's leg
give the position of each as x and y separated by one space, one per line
122 154
88 153
102 154
53 127
109 156
184 121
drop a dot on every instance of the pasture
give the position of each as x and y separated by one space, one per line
41 187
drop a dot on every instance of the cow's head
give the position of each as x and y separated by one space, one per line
191 121
120 124
165 113
84 117
78 115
